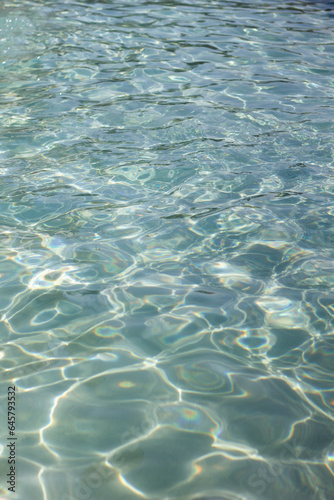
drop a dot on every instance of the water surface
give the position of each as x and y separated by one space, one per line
167 261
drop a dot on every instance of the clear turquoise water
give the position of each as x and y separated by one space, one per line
167 258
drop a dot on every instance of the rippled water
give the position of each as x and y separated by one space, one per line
167 257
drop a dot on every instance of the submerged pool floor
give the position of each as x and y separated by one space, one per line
167 249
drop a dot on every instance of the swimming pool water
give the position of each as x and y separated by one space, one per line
167 257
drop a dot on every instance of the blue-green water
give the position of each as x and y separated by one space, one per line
167 249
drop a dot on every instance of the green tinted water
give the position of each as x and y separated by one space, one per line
167 259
